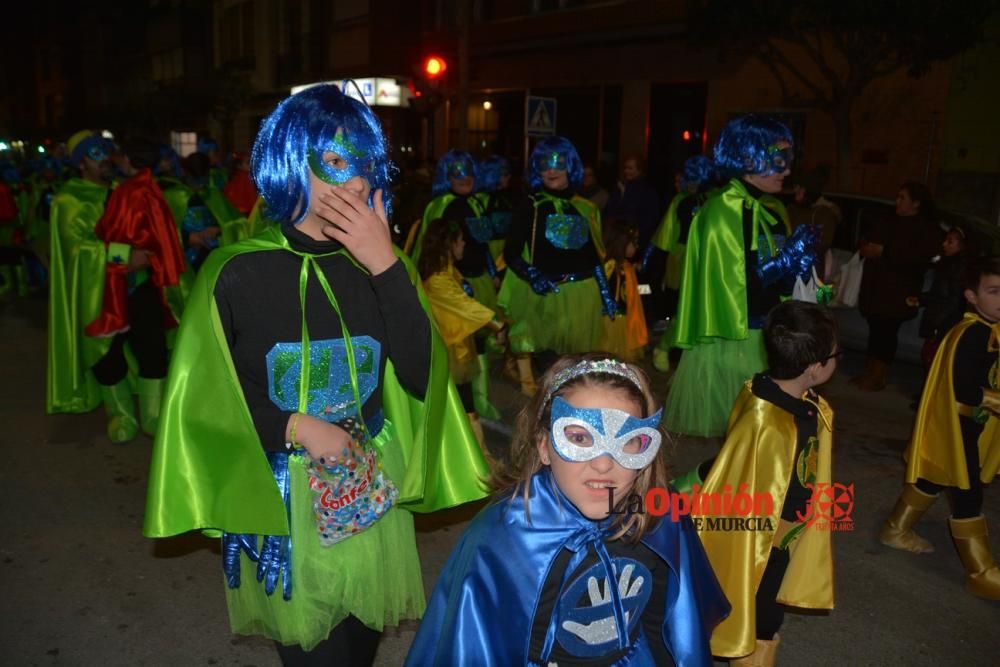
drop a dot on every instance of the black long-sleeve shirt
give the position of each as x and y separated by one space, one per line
258 299
760 298
473 262
970 374
549 259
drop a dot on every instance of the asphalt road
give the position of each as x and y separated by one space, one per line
81 586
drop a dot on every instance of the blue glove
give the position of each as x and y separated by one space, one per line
276 561
539 283
467 288
644 261
609 307
232 545
796 257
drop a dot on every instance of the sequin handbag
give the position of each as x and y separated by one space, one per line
351 494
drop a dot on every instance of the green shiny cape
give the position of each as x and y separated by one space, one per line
209 470
713 295
669 232
76 291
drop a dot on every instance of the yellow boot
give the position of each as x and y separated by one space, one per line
972 541
528 386
897 531
764 655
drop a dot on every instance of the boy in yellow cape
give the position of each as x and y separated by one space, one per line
778 441
956 441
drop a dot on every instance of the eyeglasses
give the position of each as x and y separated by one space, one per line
836 355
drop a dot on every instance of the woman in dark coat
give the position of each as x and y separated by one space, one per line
897 253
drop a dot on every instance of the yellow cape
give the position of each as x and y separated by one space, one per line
759 452
458 316
935 452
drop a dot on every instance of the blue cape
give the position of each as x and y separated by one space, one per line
482 609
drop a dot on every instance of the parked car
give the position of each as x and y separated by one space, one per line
858 214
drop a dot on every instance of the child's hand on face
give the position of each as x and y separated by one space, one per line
363 231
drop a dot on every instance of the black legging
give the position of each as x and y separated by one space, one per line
770 612
883 337
350 644
145 335
965 503
465 394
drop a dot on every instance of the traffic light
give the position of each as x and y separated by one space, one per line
435 67
428 84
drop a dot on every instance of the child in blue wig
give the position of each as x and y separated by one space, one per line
556 290
494 189
325 380
735 271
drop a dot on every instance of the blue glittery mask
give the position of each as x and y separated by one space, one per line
459 170
583 434
778 160
553 160
354 161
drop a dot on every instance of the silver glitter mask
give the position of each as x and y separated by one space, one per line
606 366
583 434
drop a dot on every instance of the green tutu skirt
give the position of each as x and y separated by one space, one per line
374 575
483 290
707 382
566 321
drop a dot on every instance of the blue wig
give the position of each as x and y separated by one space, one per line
698 170
490 171
547 146
308 121
442 183
743 146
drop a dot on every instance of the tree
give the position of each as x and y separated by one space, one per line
850 43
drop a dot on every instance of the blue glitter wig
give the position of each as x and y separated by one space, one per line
490 171
698 170
546 147
308 122
743 147
453 158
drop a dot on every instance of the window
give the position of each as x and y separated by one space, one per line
237 34
184 143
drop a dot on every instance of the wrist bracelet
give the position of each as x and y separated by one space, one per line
291 432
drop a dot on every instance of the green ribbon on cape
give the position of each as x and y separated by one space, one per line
713 295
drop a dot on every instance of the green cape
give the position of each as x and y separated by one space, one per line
436 208
713 295
76 291
209 470
232 223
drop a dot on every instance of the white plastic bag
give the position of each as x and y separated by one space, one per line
849 283
806 291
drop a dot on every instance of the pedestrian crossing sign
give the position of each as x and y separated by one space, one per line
539 116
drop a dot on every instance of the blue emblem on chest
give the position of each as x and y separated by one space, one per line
585 613
501 223
763 250
481 229
566 232
330 394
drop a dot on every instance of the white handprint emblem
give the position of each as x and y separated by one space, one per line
591 630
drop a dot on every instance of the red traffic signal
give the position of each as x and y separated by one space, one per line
434 67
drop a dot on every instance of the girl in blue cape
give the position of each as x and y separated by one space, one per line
562 568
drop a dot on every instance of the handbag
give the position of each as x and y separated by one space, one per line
352 493
849 282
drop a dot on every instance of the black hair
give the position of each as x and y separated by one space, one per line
979 269
197 165
798 334
617 235
142 153
921 193
435 248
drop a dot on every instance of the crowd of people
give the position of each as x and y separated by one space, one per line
315 369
